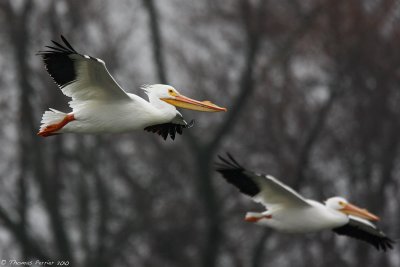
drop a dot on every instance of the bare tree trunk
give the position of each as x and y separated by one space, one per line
31 155
256 259
18 36
312 135
156 40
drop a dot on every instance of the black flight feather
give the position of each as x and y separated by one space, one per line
58 62
168 129
366 233
68 44
235 174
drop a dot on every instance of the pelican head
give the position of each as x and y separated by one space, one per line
170 95
342 205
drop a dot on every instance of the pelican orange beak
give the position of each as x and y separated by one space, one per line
351 209
188 103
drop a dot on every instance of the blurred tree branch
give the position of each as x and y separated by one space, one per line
18 36
156 40
31 249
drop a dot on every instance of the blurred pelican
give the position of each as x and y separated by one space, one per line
288 211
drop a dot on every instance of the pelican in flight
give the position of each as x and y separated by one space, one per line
100 105
287 211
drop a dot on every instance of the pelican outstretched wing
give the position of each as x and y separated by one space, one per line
176 126
80 77
262 188
366 231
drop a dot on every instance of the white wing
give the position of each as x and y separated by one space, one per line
80 77
275 192
262 188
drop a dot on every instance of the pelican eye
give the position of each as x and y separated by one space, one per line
341 203
171 92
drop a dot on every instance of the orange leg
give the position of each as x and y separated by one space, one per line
256 219
51 129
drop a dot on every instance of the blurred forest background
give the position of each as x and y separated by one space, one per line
313 96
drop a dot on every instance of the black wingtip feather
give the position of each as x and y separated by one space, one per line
232 163
385 244
235 174
168 129
58 63
61 47
67 43
378 239
58 49
55 48
233 160
172 131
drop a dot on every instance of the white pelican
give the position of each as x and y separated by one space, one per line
100 105
288 211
